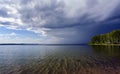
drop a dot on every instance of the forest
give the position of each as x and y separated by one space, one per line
109 38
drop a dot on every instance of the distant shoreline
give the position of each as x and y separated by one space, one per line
40 44
63 44
19 44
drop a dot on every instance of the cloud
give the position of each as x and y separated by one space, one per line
64 21
17 38
8 36
66 13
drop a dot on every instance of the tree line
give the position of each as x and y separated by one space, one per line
109 38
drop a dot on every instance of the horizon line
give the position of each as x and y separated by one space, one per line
38 44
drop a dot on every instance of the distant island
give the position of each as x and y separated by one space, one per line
112 38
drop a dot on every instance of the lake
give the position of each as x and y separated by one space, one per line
59 59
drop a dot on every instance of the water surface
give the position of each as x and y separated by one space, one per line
58 59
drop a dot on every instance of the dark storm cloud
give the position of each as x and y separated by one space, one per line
3 13
54 14
67 21
47 14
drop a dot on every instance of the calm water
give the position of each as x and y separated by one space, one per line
21 55
10 54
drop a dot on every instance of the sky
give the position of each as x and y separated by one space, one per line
57 21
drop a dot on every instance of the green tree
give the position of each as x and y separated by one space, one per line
109 38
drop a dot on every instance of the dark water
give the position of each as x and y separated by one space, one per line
13 57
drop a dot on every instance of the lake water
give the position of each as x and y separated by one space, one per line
59 59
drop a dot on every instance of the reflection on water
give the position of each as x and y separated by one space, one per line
61 59
107 50
21 53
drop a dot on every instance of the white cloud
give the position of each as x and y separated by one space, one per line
14 38
58 20
13 34
7 37
11 20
